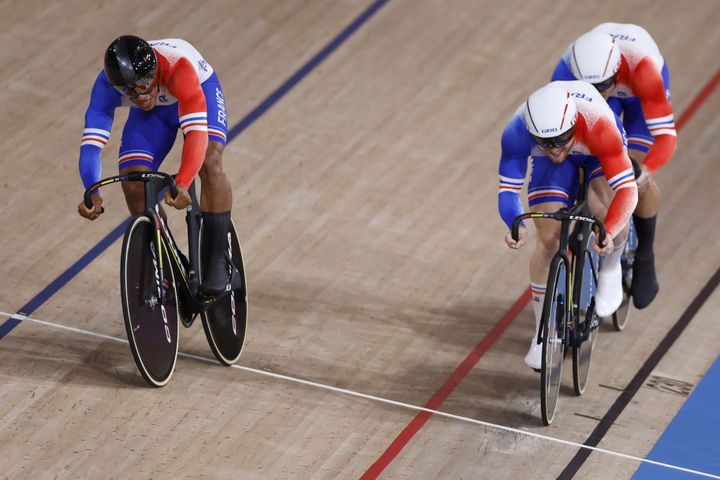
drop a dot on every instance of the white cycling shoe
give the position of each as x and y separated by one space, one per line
533 359
609 293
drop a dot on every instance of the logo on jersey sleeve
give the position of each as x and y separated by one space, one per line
222 113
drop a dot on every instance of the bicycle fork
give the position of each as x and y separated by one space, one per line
156 249
161 282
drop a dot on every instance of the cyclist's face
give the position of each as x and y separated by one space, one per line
606 93
556 148
558 154
143 94
607 87
144 99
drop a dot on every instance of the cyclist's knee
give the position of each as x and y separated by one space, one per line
622 234
134 197
599 197
548 239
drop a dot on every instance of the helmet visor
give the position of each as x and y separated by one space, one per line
141 87
605 84
554 142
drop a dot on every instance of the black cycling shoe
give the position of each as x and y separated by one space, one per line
218 280
644 282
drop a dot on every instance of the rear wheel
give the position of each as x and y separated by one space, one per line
225 321
584 290
554 319
151 324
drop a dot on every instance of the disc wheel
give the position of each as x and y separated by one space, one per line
225 321
151 324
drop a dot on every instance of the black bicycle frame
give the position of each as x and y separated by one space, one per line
154 183
565 216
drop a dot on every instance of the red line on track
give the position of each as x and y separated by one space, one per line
444 392
698 100
471 360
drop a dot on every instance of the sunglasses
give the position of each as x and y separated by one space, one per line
605 84
554 142
141 87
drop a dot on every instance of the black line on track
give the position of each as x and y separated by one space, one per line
639 380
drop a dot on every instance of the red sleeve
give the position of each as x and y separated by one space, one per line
605 142
183 84
647 85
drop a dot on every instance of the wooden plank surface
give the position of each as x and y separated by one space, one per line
366 204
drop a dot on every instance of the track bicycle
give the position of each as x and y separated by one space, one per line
568 316
159 284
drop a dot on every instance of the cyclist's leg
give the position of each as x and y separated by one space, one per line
609 292
216 193
551 187
146 140
645 286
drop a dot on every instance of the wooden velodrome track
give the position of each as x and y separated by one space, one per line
365 198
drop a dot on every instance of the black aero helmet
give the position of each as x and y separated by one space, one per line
129 59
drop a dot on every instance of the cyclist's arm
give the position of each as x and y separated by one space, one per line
649 88
185 86
98 124
516 146
606 143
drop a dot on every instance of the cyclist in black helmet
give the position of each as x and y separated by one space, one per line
167 85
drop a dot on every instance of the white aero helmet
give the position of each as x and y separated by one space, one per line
595 57
550 116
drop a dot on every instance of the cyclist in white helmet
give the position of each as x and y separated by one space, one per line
625 65
562 127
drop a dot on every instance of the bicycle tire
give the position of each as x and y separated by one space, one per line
152 329
225 321
554 318
622 315
585 287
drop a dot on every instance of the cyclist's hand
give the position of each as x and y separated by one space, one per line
181 201
607 248
95 211
522 238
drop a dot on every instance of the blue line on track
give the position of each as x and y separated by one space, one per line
305 69
248 120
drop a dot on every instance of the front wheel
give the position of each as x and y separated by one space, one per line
554 319
151 323
225 321
584 289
